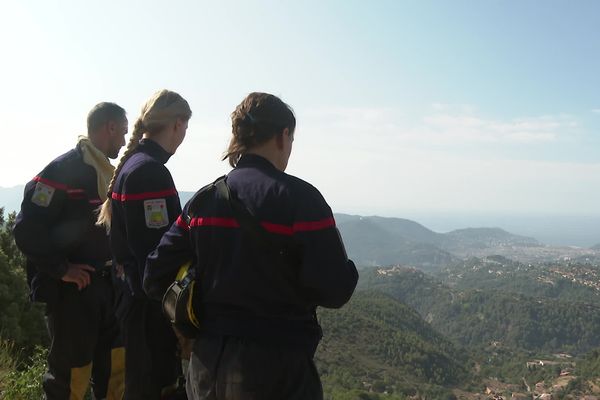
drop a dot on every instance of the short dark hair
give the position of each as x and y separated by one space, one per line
102 113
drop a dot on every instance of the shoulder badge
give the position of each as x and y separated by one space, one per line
156 213
42 195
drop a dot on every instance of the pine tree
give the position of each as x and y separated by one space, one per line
21 322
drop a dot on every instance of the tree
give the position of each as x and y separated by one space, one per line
21 322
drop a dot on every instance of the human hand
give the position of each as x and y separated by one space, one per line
119 271
78 274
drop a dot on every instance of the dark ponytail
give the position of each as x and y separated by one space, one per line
258 118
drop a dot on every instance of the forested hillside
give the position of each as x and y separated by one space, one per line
566 280
475 326
378 344
475 317
20 320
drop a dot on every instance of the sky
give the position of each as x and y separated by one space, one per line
403 107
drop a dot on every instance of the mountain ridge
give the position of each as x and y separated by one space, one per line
376 241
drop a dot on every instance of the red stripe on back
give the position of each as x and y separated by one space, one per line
214 221
55 185
270 227
314 225
277 228
143 196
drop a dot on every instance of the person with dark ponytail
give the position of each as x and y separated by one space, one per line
143 203
257 284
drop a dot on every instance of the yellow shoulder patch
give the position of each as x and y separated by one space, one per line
42 195
156 214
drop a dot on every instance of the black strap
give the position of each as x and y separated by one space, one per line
248 222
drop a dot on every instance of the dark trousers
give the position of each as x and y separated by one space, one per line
229 368
85 344
151 363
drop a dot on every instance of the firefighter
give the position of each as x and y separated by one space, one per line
69 262
256 294
143 205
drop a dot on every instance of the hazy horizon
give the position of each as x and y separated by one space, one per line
559 230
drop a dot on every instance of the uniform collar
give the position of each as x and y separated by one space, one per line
154 150
254 160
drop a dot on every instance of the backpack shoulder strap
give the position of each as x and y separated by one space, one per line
247 220
201 195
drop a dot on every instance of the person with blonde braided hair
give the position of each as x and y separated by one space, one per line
142 205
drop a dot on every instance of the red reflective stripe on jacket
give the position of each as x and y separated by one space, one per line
213 221
271 227
143 196
182 224
71 192
314 225
277 228
56 185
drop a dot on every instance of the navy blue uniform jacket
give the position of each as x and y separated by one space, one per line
246 291
56 224
144 205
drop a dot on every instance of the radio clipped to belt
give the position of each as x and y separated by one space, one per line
177 302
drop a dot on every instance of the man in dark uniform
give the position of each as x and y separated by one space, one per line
260 273
68 262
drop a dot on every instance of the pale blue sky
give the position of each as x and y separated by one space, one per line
402 106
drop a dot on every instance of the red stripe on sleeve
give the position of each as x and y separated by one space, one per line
182 224
56 185
314 225
143 196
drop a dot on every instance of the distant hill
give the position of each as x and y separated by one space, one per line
375 240
377 344
465 240
378 241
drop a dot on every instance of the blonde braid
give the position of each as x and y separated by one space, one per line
163 107
105 214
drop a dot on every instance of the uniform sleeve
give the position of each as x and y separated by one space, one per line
150 205
38 224
162 265
327 277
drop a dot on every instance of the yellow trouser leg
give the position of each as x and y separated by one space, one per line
116 382
80 380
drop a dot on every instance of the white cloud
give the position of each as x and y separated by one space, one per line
596 110
443 127
443 124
